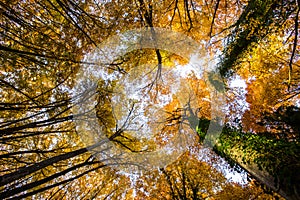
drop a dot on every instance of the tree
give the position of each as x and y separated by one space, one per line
43 46
262 49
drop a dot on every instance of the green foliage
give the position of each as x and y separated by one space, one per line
202 128
279 157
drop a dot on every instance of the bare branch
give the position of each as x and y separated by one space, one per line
294 45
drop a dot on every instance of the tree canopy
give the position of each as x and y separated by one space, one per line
148 98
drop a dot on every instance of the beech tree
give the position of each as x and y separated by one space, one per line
43 46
